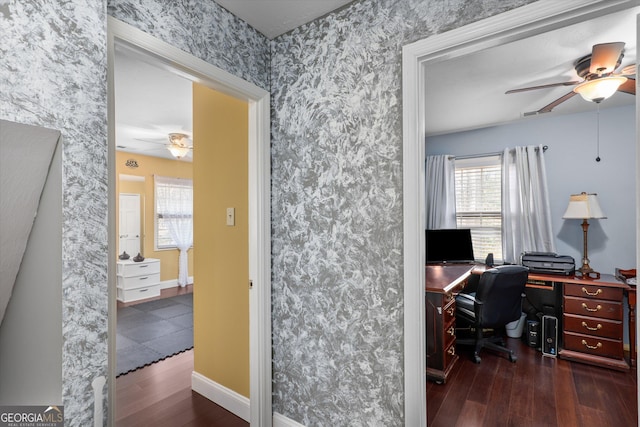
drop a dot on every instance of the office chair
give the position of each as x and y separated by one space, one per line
496 302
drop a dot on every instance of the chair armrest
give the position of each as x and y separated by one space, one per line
469 297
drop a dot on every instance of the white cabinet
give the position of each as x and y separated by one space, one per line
138 280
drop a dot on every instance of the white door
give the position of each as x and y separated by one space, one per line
129 237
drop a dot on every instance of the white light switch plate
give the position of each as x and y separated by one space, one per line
231 216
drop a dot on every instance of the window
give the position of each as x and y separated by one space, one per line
174 208
478 183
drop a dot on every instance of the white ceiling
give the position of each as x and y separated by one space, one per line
463 93
275 17
468 92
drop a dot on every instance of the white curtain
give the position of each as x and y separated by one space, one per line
526 216
440 192
175 205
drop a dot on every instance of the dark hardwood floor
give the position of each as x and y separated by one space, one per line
160 395
534 391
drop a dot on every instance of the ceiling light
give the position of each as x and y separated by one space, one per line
178 151
179 145
597 90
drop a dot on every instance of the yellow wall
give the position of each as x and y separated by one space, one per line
147 167
221 292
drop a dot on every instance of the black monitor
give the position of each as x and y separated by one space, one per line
449 246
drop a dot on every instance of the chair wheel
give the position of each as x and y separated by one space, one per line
512 358
476 358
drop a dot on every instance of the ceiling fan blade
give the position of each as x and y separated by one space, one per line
628 87
524 89
604 57
547 108
629 70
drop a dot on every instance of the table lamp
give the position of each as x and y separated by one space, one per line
584 206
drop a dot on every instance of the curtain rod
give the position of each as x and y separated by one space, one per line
497 153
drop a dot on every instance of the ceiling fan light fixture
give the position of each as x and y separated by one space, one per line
178 151
178 146
597 90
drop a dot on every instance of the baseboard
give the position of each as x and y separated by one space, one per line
280 420
173 283
221 395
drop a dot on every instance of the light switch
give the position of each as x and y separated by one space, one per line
231 216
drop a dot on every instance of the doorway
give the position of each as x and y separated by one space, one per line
259 410
513 25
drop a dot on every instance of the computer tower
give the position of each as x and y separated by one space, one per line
550 336
532 333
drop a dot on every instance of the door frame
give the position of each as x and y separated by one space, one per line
519 23
197 70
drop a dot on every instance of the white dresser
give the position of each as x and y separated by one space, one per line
138 280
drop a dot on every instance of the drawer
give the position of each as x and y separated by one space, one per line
131 269
449 312
598 346
127 295
138 281
593 291
449 354
593 326
593 308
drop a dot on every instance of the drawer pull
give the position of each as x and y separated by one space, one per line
451 310
452 331
592 294
143 278
452 351
586 307
591 347
143 290
147 265
597 328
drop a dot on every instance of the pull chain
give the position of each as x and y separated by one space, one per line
598 132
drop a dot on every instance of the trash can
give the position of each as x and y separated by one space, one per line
514 329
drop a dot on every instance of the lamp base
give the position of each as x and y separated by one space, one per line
586 272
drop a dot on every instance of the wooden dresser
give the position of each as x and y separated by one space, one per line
138 280
442 282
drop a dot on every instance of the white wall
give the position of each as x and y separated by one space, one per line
571 168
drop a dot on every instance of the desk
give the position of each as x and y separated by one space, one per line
580 301
442 283
592 319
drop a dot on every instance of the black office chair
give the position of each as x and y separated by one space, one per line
496 302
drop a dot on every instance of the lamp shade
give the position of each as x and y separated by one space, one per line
583 206
597 90
178 151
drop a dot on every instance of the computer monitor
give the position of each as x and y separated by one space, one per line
449 246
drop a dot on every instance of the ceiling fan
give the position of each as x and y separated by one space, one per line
179 141
179 145
599 80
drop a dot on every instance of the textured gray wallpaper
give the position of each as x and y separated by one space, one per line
337 184
53 74
205 30
337 208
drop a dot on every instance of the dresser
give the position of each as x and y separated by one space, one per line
442 283
138 280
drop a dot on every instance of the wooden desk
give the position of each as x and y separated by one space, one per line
592 319
442 283
580 301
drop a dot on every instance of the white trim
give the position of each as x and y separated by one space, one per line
258 99
280 420
233 402
535 18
